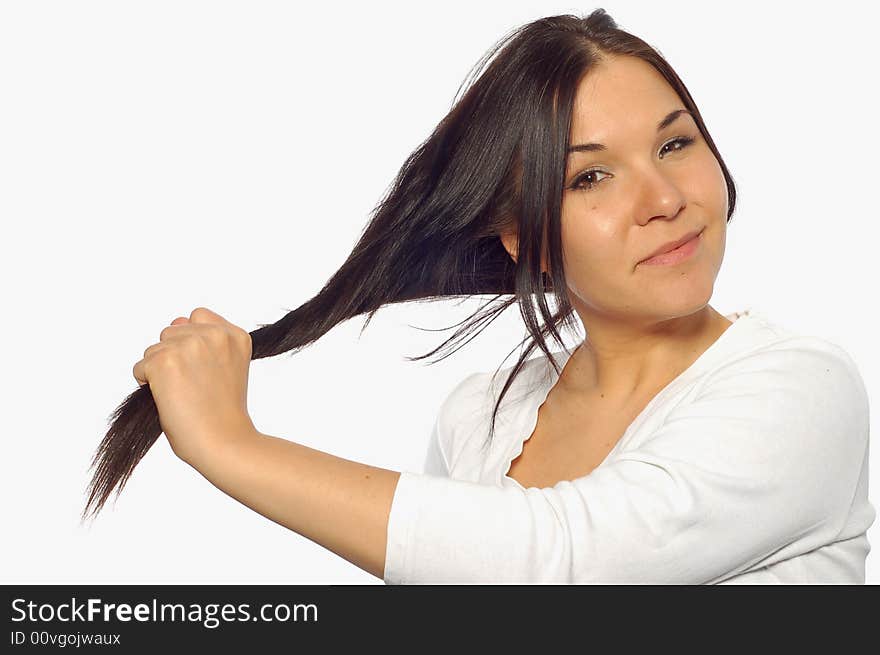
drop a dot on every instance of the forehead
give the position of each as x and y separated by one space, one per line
622 94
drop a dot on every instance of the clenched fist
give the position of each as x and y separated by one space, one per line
198 375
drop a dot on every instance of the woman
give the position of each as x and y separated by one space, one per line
673 445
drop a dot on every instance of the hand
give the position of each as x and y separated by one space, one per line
198 375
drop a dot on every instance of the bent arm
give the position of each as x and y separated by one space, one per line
760 467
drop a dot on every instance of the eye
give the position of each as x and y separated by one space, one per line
585 177
682 141
585 182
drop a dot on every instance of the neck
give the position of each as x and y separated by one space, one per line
623 362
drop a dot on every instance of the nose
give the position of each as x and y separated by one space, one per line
660 193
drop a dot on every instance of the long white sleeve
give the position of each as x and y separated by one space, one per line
760 466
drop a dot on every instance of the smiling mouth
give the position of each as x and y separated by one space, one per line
676 255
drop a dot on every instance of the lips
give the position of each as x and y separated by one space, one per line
672 245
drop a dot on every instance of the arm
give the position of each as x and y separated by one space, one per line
759 466
338 503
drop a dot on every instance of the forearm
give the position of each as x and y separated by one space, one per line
338 503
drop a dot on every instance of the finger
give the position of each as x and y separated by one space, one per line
173 329
139 373
153 349
205 315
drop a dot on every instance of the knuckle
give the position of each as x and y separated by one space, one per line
164 354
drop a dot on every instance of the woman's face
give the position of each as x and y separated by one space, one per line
645 189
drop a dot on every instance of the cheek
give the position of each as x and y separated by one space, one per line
591 252
593 234
715 204
718 243
710 187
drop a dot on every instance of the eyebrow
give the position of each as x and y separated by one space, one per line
598 147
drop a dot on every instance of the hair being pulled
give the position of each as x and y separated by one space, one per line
495 164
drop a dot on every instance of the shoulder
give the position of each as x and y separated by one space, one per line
473 393
783 423
794 378
778 353
466 409
465 395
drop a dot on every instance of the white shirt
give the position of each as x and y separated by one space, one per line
749 467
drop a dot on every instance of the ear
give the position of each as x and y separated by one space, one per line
510 242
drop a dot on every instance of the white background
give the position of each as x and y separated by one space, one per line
160 156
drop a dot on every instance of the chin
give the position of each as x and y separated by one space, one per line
683 297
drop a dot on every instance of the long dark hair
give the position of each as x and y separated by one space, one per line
494 165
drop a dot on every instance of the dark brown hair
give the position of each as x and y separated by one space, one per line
494 165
